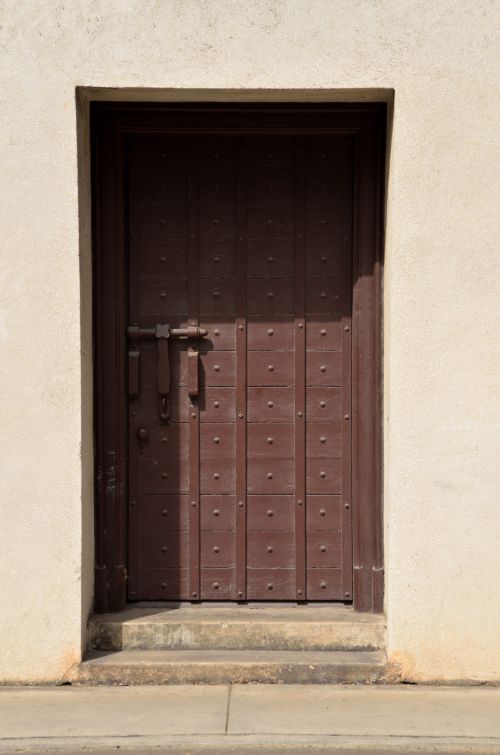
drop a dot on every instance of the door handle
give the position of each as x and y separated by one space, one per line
163 333
193 372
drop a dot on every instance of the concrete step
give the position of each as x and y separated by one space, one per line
238 628
126 667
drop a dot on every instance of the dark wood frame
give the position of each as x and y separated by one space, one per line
110 123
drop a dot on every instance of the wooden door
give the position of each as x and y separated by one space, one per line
237 352
240 467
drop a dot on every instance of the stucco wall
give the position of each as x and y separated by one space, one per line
442 315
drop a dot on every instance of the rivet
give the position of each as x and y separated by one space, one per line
322 368
322 332
194 594
270 295
216 404
240 594
216 155
346 505
240 327
323 548
269 549
299 592
300 414
323 585
216 549
216 368
133 414
269 586
216 512
346 416
216 332
270 512
322 512
300 501
347 594
164 440
216 440
299 235
269 221
346 328
324 259
271 259
133 503
300 325
270 368
322 295
270 440
216 294
269 475
216 258
163 259
163 585
322 439
241 504
216 585
215 221
163 548
162 222
240 415
270 404
270 332
193 503
163 295
193 415
216 476
164 475
322 475
323 221
132 592
164 512
322 404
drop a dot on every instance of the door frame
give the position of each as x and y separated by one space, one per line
110 123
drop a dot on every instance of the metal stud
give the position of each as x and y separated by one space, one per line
322 475
300 502
347 594
299 592
164 440
163 585
346 328
216 585
322 368
193 504
164 475
163 548
324 259
322 404
193 415
322 332
270 440
270 259
163 295
216 368
269 586
216 294
240 594
216 259
216 512
216 476
164 512
322 512
270 295
323 548
346 416
300 414
270 512
269 475
240 327
216 404
300 325
194 594
323 585
270 368
346 505
240 415
133 503
269 549
216 440
163 259
216 332
270 331
241 504
269 221
216 549
270 404
322 295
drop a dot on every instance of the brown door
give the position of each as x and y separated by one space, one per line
240 409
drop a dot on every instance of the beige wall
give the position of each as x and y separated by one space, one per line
442 318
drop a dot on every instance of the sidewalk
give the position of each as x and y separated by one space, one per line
250 718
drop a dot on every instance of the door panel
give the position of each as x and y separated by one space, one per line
239 433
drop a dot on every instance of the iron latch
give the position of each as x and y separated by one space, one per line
163 333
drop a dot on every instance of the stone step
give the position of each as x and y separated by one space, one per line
238 628
126 667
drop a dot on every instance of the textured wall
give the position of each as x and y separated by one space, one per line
441 298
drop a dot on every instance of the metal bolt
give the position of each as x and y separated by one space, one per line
300 501
164 440
240 327
216 404
194 594
216 512
322 475
323 585
163 548
346 416
270 332
322 439
270 295
346 505
346 327
216 549
193 503
269 549
269 586
240 503
164 475
270 512
322 404
163 585
269 475
216 367
270 440
163 295
270 404
163 259
216 476
322 368
216 332
193 415
322 512
270 368
300 414
323 548
216 440
216 585
300 325
322 332
347 594
240 415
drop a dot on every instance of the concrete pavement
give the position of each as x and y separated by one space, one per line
250 718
